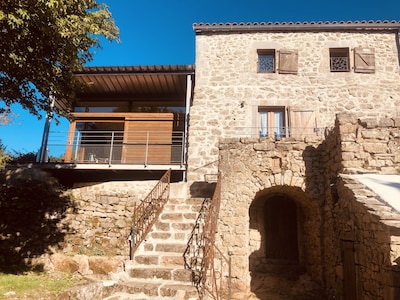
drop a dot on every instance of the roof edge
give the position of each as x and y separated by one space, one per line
297 26
185 69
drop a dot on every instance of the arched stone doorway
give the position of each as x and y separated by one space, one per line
277 219
284 239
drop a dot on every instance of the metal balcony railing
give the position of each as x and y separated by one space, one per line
119 147
278 132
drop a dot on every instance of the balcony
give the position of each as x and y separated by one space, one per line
277 133
119 149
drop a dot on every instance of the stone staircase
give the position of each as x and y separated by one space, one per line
157 270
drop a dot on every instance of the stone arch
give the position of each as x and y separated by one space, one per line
293 212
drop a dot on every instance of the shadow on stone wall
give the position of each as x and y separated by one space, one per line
202 189
32 206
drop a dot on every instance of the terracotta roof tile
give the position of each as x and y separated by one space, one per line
297 26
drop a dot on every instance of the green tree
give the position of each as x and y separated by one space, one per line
4 156
42 44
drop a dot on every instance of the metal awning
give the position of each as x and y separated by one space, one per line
154 85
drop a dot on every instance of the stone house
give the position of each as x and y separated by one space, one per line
287 112
290 115
287 79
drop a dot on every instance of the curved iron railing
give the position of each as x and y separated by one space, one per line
199 254
146 213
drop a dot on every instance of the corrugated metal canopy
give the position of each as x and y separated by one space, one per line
153 85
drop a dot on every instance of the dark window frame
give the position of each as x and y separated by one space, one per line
262 64
339 59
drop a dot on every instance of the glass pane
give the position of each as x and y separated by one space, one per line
263 124
278 124
266 63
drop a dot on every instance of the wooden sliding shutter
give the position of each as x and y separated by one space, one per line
364 60
288 61
148 138
303 122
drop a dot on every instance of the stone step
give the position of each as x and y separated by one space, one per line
176 237
178 216
149 272
183 207
173 226
150 290
159 259
164 247
188 201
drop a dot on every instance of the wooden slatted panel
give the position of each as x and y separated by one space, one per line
364 60
302 122
288 61
70 142
154 130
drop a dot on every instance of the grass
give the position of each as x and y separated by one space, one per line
35 285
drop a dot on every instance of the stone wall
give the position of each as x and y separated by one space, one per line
252 170
229 90
39 218
333 211
100 221
358 228
370 144
358 217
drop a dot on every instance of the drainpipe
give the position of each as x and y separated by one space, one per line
43 156
398 45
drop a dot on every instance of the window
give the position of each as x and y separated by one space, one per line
272 122
266 61
339 59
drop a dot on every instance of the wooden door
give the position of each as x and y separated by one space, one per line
281 238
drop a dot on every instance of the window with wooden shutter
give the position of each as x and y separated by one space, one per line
288 61
303 122
364 60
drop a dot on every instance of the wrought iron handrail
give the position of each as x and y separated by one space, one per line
199 254
146 213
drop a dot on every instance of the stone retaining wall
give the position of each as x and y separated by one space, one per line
358 228
100 222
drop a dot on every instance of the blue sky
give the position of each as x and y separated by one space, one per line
160 33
